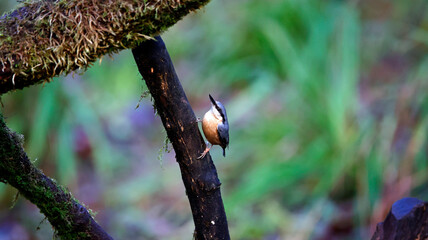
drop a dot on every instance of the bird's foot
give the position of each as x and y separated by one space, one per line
205 152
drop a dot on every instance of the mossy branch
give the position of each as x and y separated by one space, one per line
68 217
43 39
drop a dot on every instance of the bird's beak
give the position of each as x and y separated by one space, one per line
212 100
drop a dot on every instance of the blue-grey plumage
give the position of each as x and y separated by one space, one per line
216 126
223 133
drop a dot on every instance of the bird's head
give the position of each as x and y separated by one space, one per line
218 109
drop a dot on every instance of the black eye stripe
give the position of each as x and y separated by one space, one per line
220 111
217 107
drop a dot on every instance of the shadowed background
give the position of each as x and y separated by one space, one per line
327 102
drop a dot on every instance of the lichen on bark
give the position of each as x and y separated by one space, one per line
69 218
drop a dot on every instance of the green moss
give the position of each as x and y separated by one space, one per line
79 25
53 200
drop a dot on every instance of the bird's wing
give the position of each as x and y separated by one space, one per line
223 133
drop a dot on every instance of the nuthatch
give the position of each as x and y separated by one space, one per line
216 127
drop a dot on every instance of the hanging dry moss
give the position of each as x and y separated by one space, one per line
42 39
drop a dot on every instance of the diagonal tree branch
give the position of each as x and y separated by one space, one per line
69 218
199 176
45 38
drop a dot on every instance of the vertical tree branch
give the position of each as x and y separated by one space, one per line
199 176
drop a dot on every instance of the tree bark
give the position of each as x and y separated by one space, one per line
68 217
407 220
199 176
45 38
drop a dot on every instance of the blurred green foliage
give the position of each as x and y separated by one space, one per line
327 102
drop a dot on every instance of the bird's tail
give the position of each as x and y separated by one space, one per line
224 152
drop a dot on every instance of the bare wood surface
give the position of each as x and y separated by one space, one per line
199 176
407 220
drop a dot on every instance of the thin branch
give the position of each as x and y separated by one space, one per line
43 39
199 176
69 218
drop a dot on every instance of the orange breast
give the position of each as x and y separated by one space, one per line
209 126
